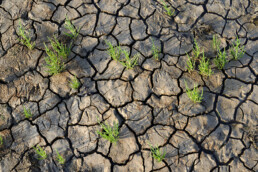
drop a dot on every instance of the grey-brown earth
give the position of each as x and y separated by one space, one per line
149 101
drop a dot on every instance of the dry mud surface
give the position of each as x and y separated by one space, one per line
149 101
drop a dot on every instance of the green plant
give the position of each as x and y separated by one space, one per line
114 52
69 26
27 112
216 43
25 40
75 83
156 153
40 152
54 63
196 50
61 49
204 67
1 140
190 64
191 60
168 9
128 62
236 50
195 95
155 51
109 133
221 59
60 159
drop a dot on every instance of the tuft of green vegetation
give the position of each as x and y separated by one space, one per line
128 62
204 67
155 51
196 50
69 26
54 63
27 112
109 133
236 50
75 83
216 43
195 95
169 11
24 38
114 52
61 49
221 59
190 64
156 153
1 140
40 152
60 159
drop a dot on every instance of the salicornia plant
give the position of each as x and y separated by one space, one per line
192 60
190 64
155 51
1 140
27 112
196 50
128 62
157 154
221 59
109 133
69 26
114 52
61 49
237 51
24 38
216 43
75 83
54 63
169 11
60 159
40 152
195 95
204 66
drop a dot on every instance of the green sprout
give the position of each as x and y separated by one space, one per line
1 140
156 153
155 51
204 67
196 50
40 152
168 9
27 112
216 43
25 39
60 159
128 62
69 26
221 59
109 133
54 62
75 83
237 51
114 52
60 48
190 64
194 94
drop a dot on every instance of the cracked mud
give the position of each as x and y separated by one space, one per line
149 102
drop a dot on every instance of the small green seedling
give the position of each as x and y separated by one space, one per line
109 133
196 50
194 94
128 62
1 140
24 38
69 26
155 51
190 64
54 63
27 112
168 9
221 59
40 152
75 83
61 49
204 67
156 153
60 159
114 52
216 43
236 50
